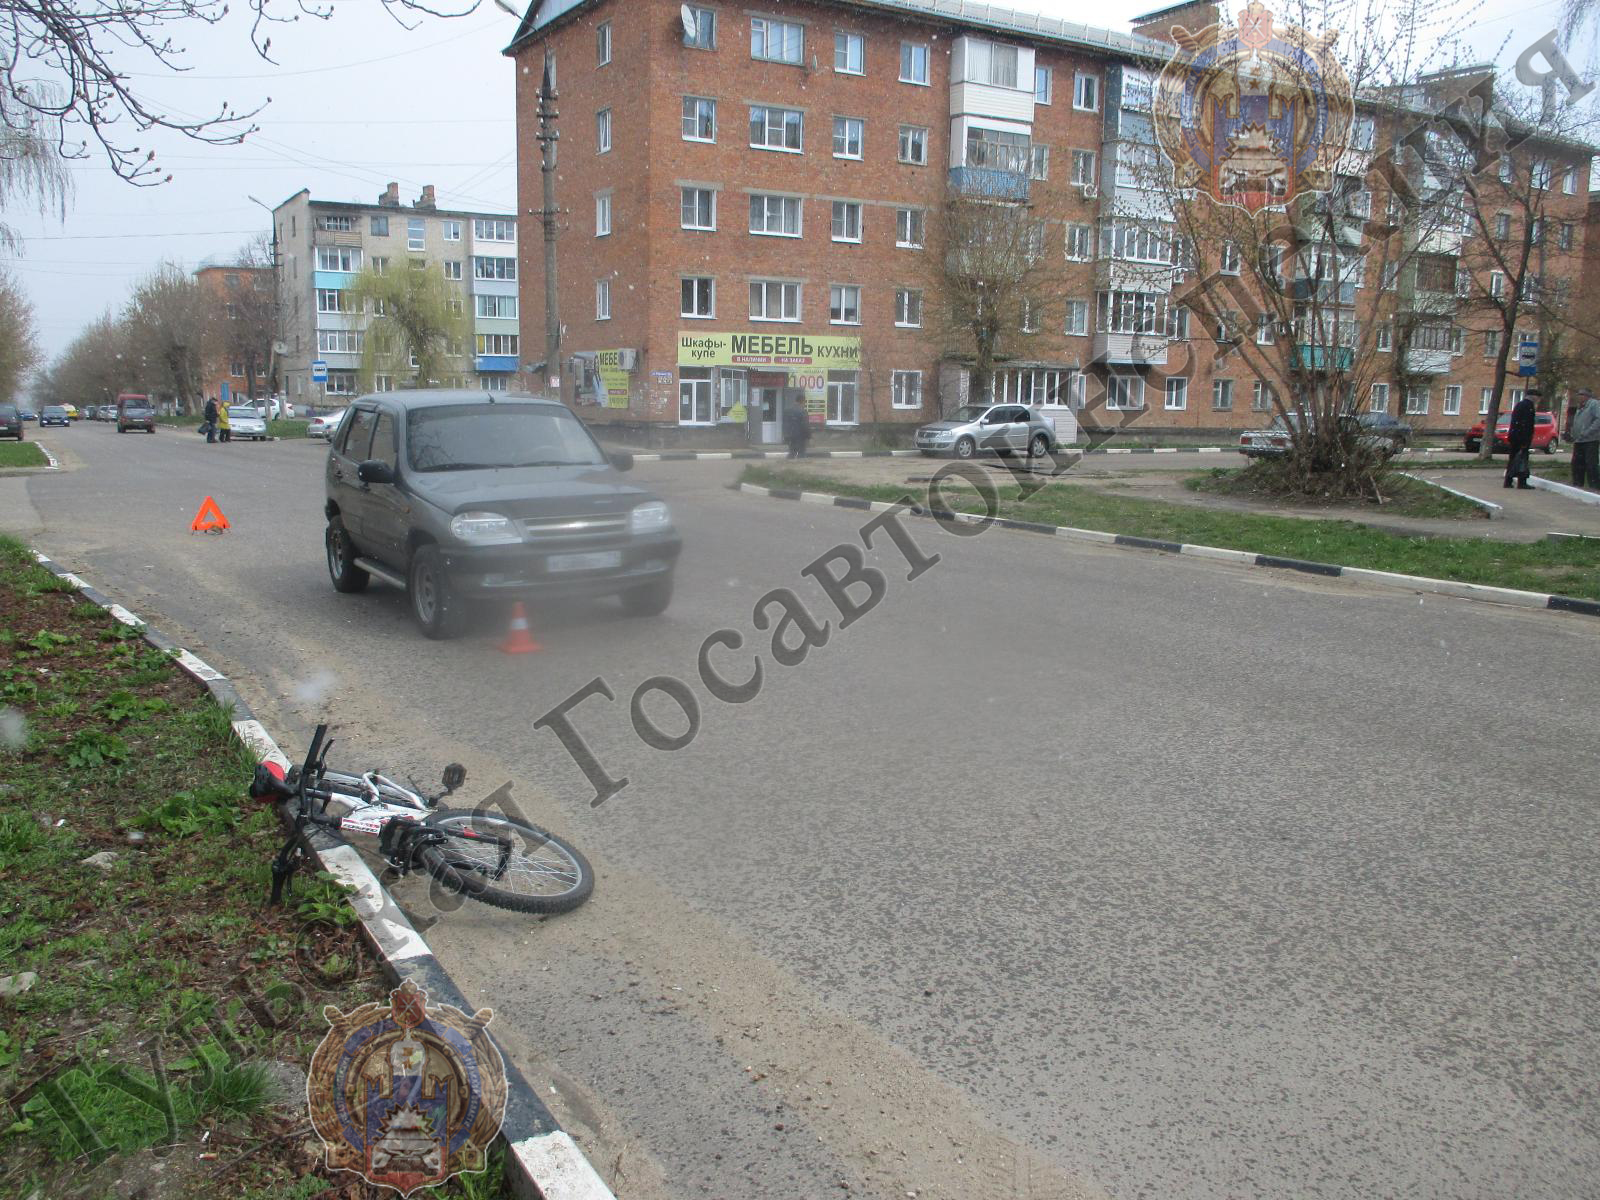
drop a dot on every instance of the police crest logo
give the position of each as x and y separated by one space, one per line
1253 114
407 1094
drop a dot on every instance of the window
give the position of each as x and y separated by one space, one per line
1138 90
1260 397
914 145
1565 238
1379 402
991 63
1136 241
1265 327
454 304
1491 343
383 383
1080 242
1039 167
844 304
416 264
1452 400
416 234
379 226
905 389
698 208
338 258
494 268
497 343
847 133
908 227
602 215
1497 284
452 232
846 221
1417 401
1361 133
1077 317
694 396
493 383
777 41
1502 226
998 149
331 300
1569 181
1086 94
1541 173
602 300
499 307
1131 312
1229 259
1083 164
775 216
1178 324
336 224
1484 396
452 268
842 400
849 53
908 308
776 128
699 119
699 297
602 131
1124 391
1043 83
602 43
380 266
1177 394
1029 322
771 300
340 383
913 62
703 34
494 229
1458 340
1222 395
1507 168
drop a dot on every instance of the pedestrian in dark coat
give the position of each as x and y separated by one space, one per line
211 419
1519 439
796 428
1584 433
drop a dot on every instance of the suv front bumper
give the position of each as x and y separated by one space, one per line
554 572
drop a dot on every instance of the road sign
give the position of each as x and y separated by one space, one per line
1528 356
319 371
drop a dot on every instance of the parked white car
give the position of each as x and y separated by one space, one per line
282 410
323 426
244 421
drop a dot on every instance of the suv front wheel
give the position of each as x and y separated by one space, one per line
433 606
346 576
651 600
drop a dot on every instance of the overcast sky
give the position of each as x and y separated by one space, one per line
355 102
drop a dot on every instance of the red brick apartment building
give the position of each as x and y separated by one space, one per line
747 196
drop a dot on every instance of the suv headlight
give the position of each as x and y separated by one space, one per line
648 518
484 529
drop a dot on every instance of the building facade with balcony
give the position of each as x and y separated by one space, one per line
752 204
323 245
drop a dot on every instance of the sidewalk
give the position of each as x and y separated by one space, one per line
1530 514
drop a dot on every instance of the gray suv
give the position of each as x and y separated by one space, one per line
459 495
989 429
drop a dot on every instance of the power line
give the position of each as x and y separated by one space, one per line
92 237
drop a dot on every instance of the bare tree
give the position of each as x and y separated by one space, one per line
75 68
250 311
172 324
19 346
98 364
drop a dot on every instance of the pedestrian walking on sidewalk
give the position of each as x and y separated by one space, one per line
1583 431
211 419
1519 439
796 428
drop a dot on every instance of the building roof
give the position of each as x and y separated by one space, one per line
969 13
403 210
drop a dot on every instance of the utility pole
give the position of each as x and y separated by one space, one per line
548 135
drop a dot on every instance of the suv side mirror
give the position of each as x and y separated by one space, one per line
621 460
375 470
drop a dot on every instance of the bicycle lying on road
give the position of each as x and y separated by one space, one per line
482 855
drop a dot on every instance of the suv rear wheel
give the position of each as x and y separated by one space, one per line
433 607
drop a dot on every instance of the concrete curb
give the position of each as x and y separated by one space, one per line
1564 489
1489 506
543 1163
1245 558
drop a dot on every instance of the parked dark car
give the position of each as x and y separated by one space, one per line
54 414
455 496
134 412
10 422
1383 425
1544 434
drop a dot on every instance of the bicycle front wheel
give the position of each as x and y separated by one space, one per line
544 874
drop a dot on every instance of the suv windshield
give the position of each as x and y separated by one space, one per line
465 437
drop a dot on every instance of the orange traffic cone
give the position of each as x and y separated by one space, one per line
519 640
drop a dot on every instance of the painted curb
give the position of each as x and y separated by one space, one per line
1410 583
1565 489
1489 506
544 1163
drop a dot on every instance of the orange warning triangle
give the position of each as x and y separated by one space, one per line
209 518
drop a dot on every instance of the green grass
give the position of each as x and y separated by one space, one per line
22 454
1404 497
1567 568
287 429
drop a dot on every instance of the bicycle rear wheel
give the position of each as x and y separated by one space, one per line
544 874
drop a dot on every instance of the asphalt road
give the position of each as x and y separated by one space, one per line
1063 872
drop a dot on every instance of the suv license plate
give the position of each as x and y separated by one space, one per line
597 560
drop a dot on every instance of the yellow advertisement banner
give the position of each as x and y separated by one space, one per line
613 379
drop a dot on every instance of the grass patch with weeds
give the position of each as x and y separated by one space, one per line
22 454
1570 568
293 428
1402 497
106 746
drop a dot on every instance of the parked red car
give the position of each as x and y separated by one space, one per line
1544 433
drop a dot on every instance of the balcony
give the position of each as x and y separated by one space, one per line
330 237
1127 275
496 362
1427 362
989 183
1441 239
1322 358
1137 348
1429 303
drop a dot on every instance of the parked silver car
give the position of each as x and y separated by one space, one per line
245 422
989 429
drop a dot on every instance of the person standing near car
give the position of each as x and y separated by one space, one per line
1519 438
224 427
211 419
1583 431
